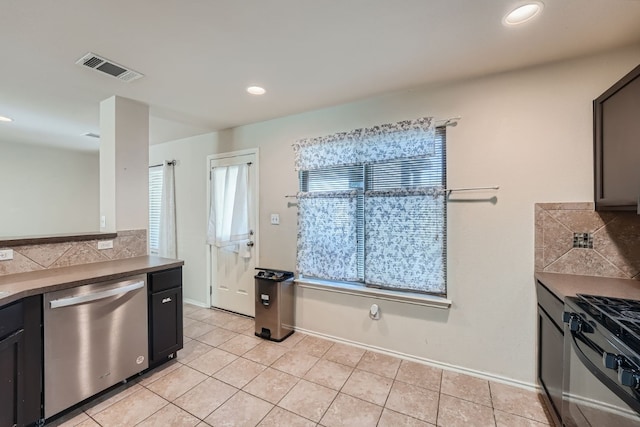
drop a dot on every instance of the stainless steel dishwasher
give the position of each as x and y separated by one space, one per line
95 336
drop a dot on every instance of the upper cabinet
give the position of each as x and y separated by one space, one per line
617 145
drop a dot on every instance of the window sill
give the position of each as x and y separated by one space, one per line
349 289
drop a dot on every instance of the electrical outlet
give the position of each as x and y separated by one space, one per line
105 244
6 254
103 221
275 219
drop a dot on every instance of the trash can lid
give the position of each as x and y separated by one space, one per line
272 274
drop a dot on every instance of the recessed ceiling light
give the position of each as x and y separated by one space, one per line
256 90
523 13
5 119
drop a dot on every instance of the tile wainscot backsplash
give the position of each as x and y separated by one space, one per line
127 244
573 238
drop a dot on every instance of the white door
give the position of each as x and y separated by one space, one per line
233 268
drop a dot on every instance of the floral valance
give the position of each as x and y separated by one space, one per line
404 139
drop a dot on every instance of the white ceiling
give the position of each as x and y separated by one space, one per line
198 56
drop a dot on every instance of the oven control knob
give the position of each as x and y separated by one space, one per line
575 323
628 378
610 360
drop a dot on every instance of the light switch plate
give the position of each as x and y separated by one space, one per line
275 219
105 244
6 254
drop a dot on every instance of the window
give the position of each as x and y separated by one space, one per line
155 196
379 220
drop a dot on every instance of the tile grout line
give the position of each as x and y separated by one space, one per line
184 409
439 397
493 408
340 390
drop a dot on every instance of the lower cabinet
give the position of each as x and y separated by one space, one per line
21 362
165 314
11 384
21 346
550 349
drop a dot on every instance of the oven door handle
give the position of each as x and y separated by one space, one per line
81 299
597 372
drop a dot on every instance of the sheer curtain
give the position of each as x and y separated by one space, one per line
229 226
167 236
329 247
371 207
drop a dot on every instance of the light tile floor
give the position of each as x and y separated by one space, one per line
225 376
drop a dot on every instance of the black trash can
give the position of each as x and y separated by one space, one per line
274 304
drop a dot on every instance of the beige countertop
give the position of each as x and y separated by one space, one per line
21 285
565 285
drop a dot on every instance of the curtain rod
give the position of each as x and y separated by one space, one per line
169 163
448 190
452 121
451 190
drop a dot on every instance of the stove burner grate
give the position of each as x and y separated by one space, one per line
620 316
635 315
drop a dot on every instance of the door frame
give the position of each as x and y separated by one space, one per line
256 208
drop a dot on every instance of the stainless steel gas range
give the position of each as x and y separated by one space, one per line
601 384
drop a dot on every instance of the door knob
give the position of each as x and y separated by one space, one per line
250 243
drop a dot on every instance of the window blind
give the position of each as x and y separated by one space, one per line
405 213
387 214
155 199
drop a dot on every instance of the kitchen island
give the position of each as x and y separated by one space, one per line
16 286
23 355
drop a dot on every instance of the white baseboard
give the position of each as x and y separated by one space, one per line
194 302
472 372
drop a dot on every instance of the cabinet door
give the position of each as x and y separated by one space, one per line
165 323
32 398
11 379
617 145
550 359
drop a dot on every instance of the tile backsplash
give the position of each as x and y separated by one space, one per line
127 244
573 238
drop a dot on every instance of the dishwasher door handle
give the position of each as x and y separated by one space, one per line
80 299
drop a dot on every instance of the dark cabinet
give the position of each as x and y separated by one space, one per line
617 145
550 349
11 383
20 363
165 314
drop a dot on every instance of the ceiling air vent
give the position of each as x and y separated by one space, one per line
107 66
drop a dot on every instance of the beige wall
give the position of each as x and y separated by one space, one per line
527 131
47 190
191 211
530 132
124 154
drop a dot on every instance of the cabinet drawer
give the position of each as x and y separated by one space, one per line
163 280
551 304
11 319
